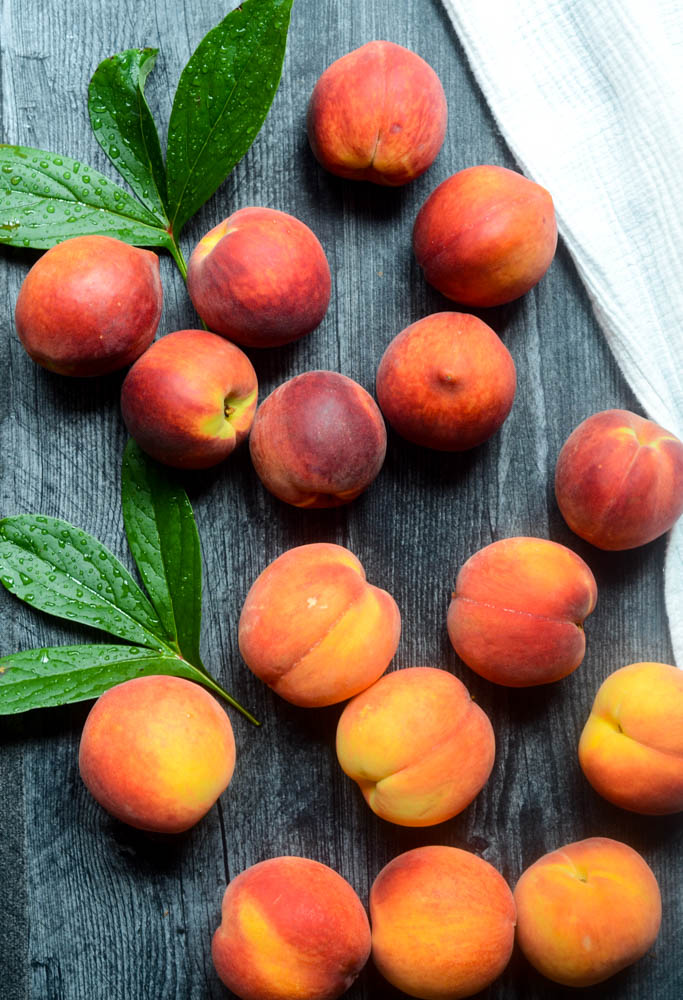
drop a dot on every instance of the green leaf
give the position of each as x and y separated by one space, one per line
59 675
124 126
62 570
46 198
163 538
221 102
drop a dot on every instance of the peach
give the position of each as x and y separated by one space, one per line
586 911
485 236
377 114
443 923
631 748
189 401
318 440
516 616
418 746
619 480
260 278
156 752
89 306
314 629
290 928
446 382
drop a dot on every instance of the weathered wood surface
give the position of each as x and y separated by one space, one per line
90 908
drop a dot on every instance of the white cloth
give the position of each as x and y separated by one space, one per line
589 97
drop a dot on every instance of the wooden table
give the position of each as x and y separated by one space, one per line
92 909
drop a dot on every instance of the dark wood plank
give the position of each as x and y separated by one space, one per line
91 908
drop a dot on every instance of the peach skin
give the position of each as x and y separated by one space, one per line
291 929
631 748
446 382
89 306
377 114
318 440
516 616
156 752
619 480
314 629
260 278
586 911
443 923
189 401
485 236
417 745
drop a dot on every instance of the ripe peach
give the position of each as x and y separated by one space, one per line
446 382
485 236
290 927
156 752
517 613
586 911
443 923
377 114
418 746
631 748
619 480
89 306
314 629
260 278
190 400
318 440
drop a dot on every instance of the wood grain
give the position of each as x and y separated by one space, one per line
90 908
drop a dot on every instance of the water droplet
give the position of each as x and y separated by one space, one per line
114 152
8 581
86 178
58 161
44 658
50 209
67 175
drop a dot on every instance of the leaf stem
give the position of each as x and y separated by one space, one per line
177 255
209 682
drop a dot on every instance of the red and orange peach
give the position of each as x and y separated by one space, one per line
587 910
260 278
446 382
619 480
89 306
189 401
156 752
378 114
631 748
516 616
443 923
314 629
290 927
318 440
417 745
485 236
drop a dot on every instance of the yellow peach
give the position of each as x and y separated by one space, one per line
631 748
314 629
418 746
